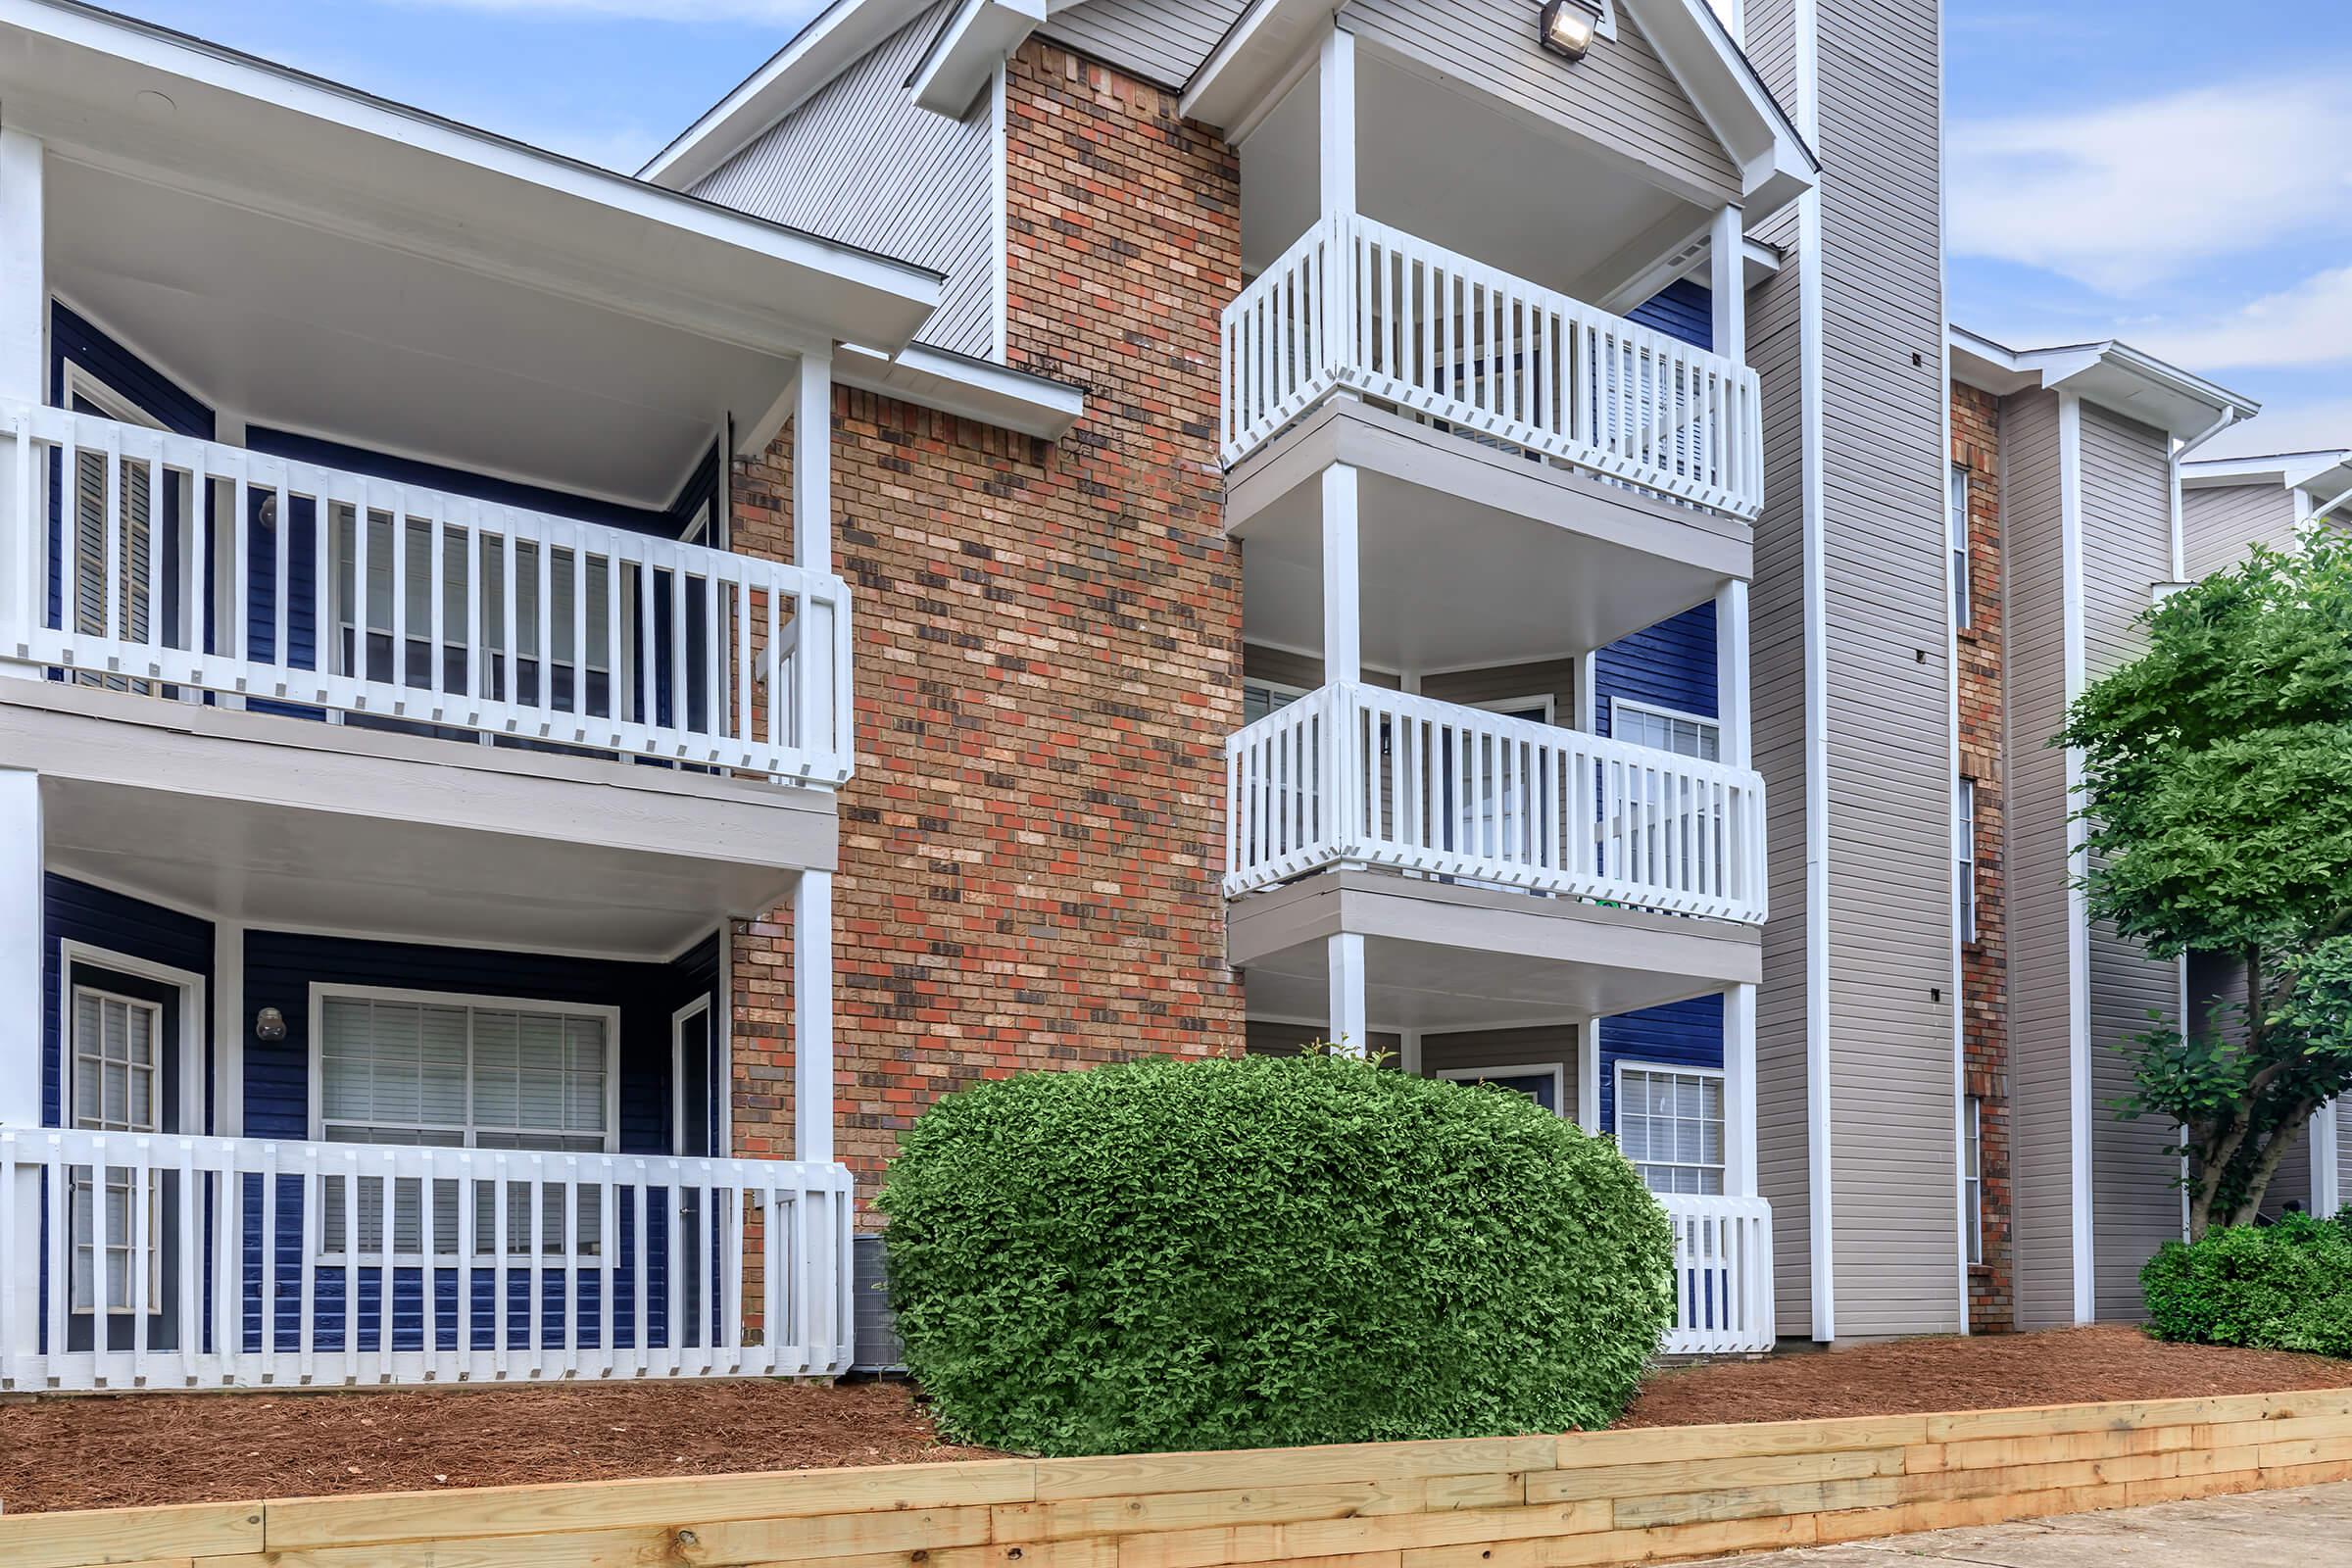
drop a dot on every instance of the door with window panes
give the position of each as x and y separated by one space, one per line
121 1075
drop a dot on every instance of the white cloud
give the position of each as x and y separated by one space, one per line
2321 425
2131 194
2307 326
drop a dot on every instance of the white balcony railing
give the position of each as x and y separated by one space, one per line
1722 1275
163 564
132 1261
1360 776
1354 304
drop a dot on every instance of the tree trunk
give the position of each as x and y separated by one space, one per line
2266 1164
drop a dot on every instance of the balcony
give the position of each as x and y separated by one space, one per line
205 573
137 1261
1360 775
1357 307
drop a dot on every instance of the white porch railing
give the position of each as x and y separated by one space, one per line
1722 1275
1362 775
1354 304
163 565
131 1261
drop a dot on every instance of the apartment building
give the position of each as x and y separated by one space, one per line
1032 533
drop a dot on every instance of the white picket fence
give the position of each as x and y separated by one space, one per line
165 565
159 1262
1722 1275
1354 304
1362 775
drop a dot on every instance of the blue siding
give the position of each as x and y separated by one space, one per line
75 911
1672 664
281 967
1684 310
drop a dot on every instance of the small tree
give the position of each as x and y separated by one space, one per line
2218 798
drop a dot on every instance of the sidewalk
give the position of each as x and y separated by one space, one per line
2309 1528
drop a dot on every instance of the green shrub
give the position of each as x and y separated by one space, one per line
1249 1251
2284 1287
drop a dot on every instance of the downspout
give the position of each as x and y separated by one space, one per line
2230 415
2319 514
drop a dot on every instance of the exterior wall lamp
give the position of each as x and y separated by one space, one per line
269 1026
1568 27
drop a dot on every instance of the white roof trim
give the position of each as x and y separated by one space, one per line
964 53
968 388
2110 373
836 38
2330 472
51 49
1776 167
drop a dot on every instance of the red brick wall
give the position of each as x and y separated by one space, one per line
1049 656
1985 964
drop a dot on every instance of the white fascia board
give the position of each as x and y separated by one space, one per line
2288 470
1252 58
1776 167
67 67
836 38
964 54
2110 373
968 388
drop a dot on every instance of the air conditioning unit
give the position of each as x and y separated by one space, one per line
876 1327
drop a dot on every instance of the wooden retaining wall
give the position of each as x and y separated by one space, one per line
1503 1503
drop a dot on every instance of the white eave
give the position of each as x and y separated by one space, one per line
2112 374
2325 475
979 390
965 52
839 36
280 141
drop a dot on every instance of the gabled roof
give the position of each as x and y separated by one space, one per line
2110 373
2325 475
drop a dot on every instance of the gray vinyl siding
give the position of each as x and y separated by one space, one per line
2041 1018
1303 671
2219 526
1160 41
2342 1111
1509 683
2127 549
1777 719
1507 1048
1264 1038
1894 1112
1620 95
861 163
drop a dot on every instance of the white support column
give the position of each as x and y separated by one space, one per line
23 367
1343 579
812 546
1349 1021
813 1016
1732 673
2327 1195
1728 261
1408 1052
20 950
1587 1076
1337 88
1740 1091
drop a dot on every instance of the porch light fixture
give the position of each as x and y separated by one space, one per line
269 1026
1568 27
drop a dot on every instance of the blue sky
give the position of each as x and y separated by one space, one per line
2175 173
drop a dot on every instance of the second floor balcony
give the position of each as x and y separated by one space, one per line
1357 775
1357 307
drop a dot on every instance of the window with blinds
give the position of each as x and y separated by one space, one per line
465 1074
116 1087
1670 1126
1684 734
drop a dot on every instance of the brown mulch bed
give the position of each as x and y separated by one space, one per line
118 1450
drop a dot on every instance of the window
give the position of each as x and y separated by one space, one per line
1544 1083
1262 699
1964 851
1972 1178
1670 1126
476 1072
1666 730
1956 528
116 1088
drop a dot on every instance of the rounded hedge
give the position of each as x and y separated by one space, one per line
1258 1251
2284 1287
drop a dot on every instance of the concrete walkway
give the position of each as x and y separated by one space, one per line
2307 1528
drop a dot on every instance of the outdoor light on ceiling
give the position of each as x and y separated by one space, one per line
1569 26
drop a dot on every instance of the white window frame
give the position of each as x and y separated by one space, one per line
1517 706
1964 851
1626 704
1272 688
1673 1070
1956 541
677 1077
323 990
1972 1179
1557 1072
